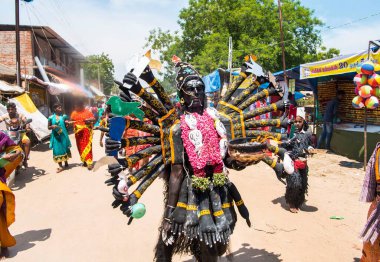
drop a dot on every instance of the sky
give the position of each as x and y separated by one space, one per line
120 27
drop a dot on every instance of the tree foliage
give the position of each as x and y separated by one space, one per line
102 64
206 26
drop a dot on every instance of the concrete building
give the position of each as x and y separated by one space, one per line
59 59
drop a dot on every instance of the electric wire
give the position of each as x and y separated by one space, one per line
43 31
61 11
31 26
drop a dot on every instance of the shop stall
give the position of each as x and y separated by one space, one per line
349 128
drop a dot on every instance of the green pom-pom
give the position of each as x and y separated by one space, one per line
219 179
200 183
138 210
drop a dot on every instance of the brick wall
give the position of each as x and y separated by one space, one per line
8 50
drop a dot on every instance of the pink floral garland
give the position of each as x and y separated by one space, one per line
210 151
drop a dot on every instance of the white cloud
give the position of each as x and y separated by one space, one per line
352 38
115 27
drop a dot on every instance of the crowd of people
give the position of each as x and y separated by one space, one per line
84 120
15 153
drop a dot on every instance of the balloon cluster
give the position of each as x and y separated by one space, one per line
367 83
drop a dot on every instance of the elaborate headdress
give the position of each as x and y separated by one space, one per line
185 72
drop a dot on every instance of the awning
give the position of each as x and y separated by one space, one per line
39 122
10 89
338 65
66 86
294 73
98 94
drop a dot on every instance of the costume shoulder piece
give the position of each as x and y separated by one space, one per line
175 143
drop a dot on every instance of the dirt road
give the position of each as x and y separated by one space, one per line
68 216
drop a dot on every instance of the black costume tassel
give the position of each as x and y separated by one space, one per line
239 202
221 221
178 217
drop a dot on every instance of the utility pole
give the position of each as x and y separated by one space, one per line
99 87
282 42
17 31
230 59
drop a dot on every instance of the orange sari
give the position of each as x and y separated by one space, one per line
7 198
83 134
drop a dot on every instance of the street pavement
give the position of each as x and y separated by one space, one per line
68 216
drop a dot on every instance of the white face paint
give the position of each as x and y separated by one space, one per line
213 113
223 147
288 164
191 121
195 137
122 186
220 128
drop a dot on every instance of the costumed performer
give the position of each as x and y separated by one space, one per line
298 149
189 146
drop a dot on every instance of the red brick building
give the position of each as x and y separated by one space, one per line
57 56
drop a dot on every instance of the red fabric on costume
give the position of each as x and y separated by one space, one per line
128 133
299 164
292 115
142 133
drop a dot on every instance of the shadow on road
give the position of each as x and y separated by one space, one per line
351 164
281 200
248 253
72 165
41 147
26 240
26 176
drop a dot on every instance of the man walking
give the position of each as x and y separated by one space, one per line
328 118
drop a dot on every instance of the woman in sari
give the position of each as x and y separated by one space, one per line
83 121
11 157
59 137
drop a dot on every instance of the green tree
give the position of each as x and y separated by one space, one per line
206 26
103 65
168 44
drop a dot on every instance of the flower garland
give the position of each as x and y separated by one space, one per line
209 153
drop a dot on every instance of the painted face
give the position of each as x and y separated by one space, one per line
193 93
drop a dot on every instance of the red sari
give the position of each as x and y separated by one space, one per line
83 134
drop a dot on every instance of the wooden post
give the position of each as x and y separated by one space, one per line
17 31
365 138
282 42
